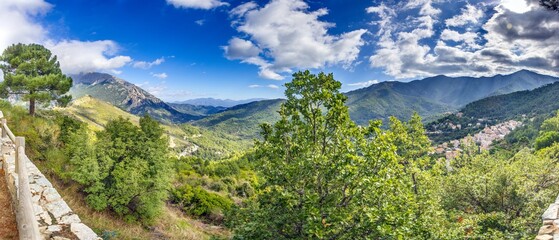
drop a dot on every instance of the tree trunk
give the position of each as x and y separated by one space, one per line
32 106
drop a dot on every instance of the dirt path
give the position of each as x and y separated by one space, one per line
8 227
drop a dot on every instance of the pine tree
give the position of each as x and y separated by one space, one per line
32 71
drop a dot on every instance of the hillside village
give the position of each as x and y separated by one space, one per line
483 139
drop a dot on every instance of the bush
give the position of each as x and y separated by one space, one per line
199 202
546 140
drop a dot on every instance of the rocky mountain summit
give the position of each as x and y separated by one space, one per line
126 96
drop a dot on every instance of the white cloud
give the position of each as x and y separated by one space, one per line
470 15
240 49
18 22
159 75
272 86
397 50
470 43
363 84
200 22
517 6
148 65
469 38
77 56
284 35
197 4
242 9
20 25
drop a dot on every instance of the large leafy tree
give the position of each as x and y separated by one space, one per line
324 176
32 71
127 169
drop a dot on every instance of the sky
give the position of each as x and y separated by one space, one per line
239 49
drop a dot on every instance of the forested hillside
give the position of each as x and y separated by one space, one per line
434 95
534 105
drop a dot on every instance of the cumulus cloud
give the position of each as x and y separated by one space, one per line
159 75
148 65
363 84
20 25
518 35
399 49
272 86
285 34
240 49
470 15
77 56
197 4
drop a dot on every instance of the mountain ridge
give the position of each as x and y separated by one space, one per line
435 95
215 102
126 96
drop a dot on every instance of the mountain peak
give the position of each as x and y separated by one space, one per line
125 95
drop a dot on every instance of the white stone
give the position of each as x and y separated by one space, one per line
83 232
42 181
51 195
54 228
35 188
59 238
69 219
551 212
37 209
58 208
46 218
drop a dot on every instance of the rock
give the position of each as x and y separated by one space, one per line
51 195
69 219
551 212
42 181
544 237
58 208
547 229
37 209
549 222
54 228
59 238
46 218
83 232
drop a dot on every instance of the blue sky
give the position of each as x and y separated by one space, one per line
182 49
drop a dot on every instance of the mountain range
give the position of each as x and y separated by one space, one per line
430 97
434 95
224 103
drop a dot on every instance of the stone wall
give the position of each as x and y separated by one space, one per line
550 228
55 218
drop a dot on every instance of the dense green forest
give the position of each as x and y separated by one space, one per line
313 174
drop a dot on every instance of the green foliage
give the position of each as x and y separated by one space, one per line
546 140
126 169
326 177
200 202
31 70
243 120
496 196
